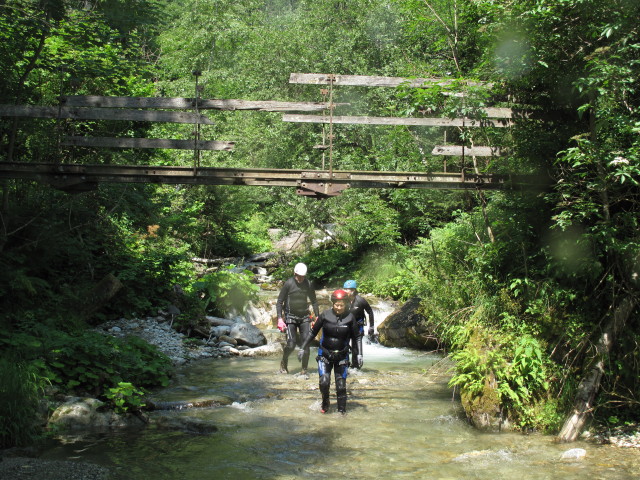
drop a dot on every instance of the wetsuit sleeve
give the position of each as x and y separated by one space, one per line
317 326
355 335
369 310
282 298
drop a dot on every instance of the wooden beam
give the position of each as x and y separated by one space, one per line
68 175
460 150
36 111
376 81
125 142
190 103
420 122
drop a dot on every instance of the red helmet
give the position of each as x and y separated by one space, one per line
339 295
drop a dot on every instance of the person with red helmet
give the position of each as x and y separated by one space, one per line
292 308
339 328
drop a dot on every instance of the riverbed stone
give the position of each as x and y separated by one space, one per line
574 454
247 334
228 339
218 322
408 327
263 351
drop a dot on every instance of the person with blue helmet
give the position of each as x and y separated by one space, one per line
338 330
359 306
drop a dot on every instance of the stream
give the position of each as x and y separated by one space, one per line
403 421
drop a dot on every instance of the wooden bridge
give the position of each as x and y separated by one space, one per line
318 183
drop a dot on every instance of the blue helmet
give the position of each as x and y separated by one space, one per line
350 284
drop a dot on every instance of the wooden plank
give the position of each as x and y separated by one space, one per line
420 122
375 81
63 175
124 142
189 103
36 111
460 150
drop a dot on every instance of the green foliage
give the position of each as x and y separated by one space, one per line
21 388
224 290
91 362
327 266
365 221
516 368
388 273
125 397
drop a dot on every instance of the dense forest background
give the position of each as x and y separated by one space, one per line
520 285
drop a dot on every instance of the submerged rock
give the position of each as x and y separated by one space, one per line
574 453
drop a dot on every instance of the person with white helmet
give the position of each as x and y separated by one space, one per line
359 306
338 329
292 308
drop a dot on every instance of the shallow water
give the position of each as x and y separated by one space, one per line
402 422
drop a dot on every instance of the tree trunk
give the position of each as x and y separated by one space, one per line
590 384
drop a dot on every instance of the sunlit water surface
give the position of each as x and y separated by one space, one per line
402 422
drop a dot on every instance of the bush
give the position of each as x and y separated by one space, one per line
21 388
91 362
125 397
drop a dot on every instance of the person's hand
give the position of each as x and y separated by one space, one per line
300 354
371 332
360 361
281 325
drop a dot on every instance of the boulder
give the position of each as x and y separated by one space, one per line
90 414
221 330
247 334
258 316
407 327
484 410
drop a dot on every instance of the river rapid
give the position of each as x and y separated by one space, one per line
402 421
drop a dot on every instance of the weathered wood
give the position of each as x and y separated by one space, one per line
375 81
124 142
590 383
460 150
190 103
75 174
420 122
36 111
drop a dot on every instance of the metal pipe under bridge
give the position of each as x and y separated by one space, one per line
316 183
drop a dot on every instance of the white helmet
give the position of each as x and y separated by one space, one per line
300 269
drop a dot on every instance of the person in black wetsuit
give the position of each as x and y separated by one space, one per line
292 308
359 306
338 329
